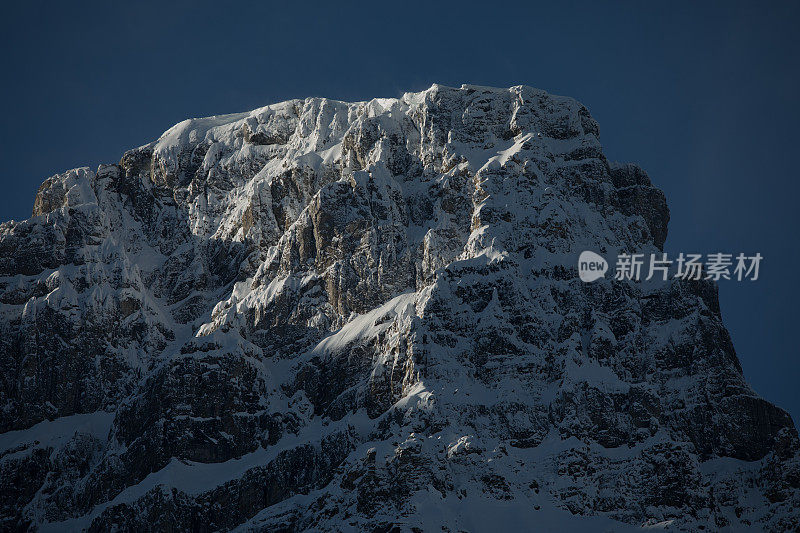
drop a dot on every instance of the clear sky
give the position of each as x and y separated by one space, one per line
704 97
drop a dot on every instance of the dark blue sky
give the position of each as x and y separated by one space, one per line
704 97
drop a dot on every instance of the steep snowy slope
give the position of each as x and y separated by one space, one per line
360 316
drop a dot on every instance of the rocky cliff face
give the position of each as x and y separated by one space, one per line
332 316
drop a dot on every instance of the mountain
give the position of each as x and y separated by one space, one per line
366 316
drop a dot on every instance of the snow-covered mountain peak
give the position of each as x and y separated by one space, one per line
326 315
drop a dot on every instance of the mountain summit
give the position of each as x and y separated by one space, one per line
367 316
